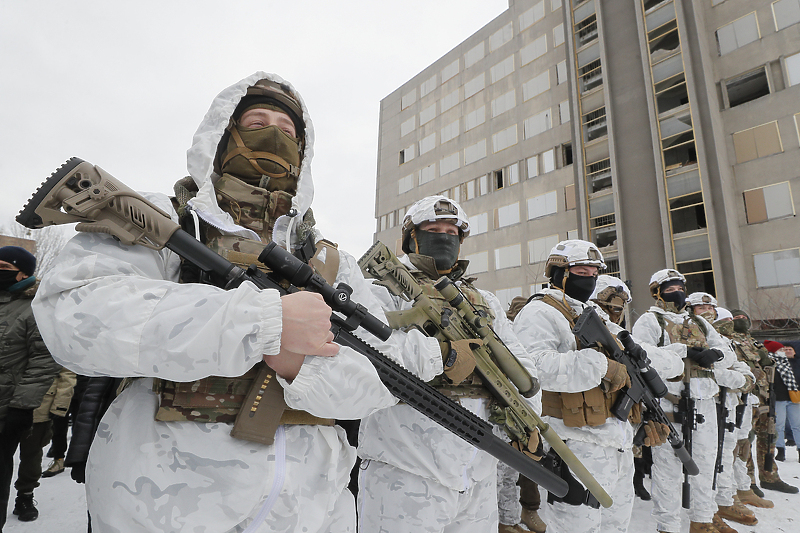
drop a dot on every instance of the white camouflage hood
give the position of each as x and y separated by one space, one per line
200 163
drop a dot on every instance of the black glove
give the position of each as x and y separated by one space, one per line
704 357
17 422
78 472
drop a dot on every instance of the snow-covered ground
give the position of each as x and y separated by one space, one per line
62 507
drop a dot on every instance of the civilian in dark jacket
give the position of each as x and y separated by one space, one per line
785 381
27 369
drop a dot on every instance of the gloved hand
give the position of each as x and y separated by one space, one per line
17 422
704 357
78 472
534 449
656 433
616 377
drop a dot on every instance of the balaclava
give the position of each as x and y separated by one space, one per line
573 285
20 258
741 325
677 298
442 247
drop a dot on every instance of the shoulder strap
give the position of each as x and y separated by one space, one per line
663 324
330 267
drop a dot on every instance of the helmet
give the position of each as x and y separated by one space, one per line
431 209
268 91
608 286
571 253
701 298
723 314
663 276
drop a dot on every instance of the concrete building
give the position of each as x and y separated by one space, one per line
665 131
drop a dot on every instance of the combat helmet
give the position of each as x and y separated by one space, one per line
431 209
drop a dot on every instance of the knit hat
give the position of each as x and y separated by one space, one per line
20 258
772 346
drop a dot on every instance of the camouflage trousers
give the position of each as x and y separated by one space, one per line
763 428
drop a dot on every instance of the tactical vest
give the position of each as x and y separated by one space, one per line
692 332
754 355
578 409
471 386
254 401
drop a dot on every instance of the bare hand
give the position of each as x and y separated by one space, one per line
307 325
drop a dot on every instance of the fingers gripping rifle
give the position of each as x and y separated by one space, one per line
500 371
646 385
81 192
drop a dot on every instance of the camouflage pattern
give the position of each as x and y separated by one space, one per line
754 354
763 427
252 207
206 400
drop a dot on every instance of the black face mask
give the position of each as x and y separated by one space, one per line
7 278
442 247
677 297
741 325
580 287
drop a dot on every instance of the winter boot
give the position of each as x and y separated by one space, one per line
510 529
748 497
756 490
781 455
721 526
531 519
740 514
25 507
638 486
780 486
702 527
56 467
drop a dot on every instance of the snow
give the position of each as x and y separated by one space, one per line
62 507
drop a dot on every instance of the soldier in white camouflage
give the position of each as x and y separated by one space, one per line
111 309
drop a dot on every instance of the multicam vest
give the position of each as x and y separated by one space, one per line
692 332
471 386
754 355
577 409
253 402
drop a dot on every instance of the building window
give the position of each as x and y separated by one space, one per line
738 33
774 269
502 69
427 174
513 173
536 86
427 144
539 249
792 65
760 141
449 71
479 224
555 4
768 203
449 164
508 257
572 234
408 99
427 86
503 139
595 124
408 126
534 50
449 100
533 166
561 72
786 12
475 118
558 35
747 87
508 215
475 152
469 190
483 185
405 184
563 111
504 103
478 263
537 124
569 197
548 161
566 154
531 16
475 85
427 114
449 132
474 55
542 205
501 37
407 154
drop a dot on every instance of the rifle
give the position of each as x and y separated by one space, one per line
81 192
722 426
501 372
769 458
689 418
646 385
740 411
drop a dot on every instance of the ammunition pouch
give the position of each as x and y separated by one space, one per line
588 408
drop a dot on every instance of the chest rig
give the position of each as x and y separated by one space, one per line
578 409
691 332
254 401
753 353
459 379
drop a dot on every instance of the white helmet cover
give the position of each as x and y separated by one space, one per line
604 281
700 298
431 209
663 276
723 314
571 253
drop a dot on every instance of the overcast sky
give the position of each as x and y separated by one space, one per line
124 85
